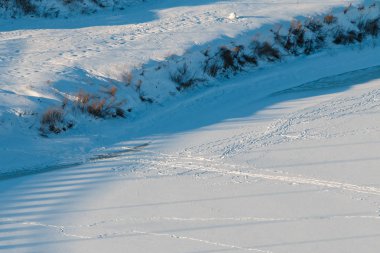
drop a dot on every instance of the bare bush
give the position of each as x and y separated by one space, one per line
250 59
266 51
236 58
111 91
52 116
228 60
183 78
227 57
294 40
370 27
349 37
297 29
99 107
120 112
329 19
83 98
314 25
313 44
26 6
52 120
96 108
211 69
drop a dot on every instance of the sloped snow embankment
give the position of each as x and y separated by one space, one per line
42 70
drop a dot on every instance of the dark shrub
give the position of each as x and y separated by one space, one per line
350 37
228 58
52 121
313 25
370 27
183 78
329 19
26 6
266 51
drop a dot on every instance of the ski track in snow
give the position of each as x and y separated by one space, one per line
280 131
219 244
198 165
62 229
337 107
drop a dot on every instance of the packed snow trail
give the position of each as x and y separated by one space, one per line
288 192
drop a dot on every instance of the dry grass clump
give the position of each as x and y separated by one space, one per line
97 108
83 98
100 107
53 121
111 91
329 19
52 116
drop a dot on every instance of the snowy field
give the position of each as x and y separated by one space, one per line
44 60
280 159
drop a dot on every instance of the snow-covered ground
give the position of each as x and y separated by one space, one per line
42 60
291 168
280 159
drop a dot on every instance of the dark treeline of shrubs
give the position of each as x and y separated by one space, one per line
300 38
